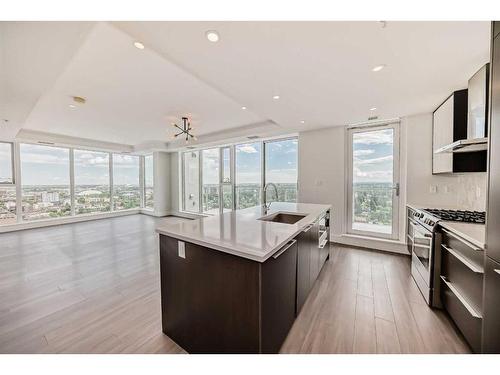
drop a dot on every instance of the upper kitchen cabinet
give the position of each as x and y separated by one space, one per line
450 128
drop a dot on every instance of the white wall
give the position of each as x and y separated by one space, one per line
460 191
162 187
321 171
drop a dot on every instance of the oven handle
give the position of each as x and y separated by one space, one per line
417 229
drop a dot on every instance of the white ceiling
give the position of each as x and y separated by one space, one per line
321 70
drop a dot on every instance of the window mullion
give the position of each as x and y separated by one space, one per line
111 188
72 180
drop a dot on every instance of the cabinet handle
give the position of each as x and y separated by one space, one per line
275 256
307 228
475 248
461 299
462 259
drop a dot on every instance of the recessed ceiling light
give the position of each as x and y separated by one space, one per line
138 45
212 36
243 108
373 108
378 68
72 106
276 97
302 122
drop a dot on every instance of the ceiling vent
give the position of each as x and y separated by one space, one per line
46 143
253 137
372 118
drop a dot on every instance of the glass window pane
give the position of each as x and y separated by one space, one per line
45 182
126 189
148 182
6 175
281 169
248 179
227 198
210 178
226 167
7 204
191 175
92 191
372 153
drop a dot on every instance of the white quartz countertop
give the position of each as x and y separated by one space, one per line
474 233
241 233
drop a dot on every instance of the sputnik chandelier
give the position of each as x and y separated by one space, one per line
185 129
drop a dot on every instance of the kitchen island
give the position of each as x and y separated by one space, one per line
235 282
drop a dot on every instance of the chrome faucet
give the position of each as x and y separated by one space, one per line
268 205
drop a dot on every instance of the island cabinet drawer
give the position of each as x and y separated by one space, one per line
467 320
470 252
278 297
466 277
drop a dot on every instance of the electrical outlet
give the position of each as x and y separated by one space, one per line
182 250
319 182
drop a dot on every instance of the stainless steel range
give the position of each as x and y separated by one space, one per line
424 240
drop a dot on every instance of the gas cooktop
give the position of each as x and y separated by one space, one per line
478 217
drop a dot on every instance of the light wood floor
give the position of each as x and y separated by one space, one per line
93 287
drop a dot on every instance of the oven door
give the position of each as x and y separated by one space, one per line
421 250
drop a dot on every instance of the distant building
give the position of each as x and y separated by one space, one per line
50 197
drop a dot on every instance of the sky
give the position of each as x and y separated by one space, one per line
5 162
373 156
44 165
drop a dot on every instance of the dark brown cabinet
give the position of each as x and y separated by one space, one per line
496 28
303 267
279 279
491 325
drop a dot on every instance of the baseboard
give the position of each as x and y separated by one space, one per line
371 243
66 220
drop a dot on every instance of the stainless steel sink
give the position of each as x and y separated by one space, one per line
281 217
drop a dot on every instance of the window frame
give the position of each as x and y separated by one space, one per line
396 198
232 152
143 179
17 181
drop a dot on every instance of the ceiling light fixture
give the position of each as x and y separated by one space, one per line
302 121
243 108
138 45
378 68
212 36
185 129
276 97
72 106
373 109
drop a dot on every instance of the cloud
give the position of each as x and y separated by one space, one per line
374 137
363 152
379 160
247 149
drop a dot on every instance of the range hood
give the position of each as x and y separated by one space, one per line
477 116
465 145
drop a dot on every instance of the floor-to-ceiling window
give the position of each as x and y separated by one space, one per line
92 182
191 181
210 180
45 178
7 187
126 186
281 168
248 174
373 182
232 176
148 182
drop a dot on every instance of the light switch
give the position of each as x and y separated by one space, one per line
182 249
433 189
